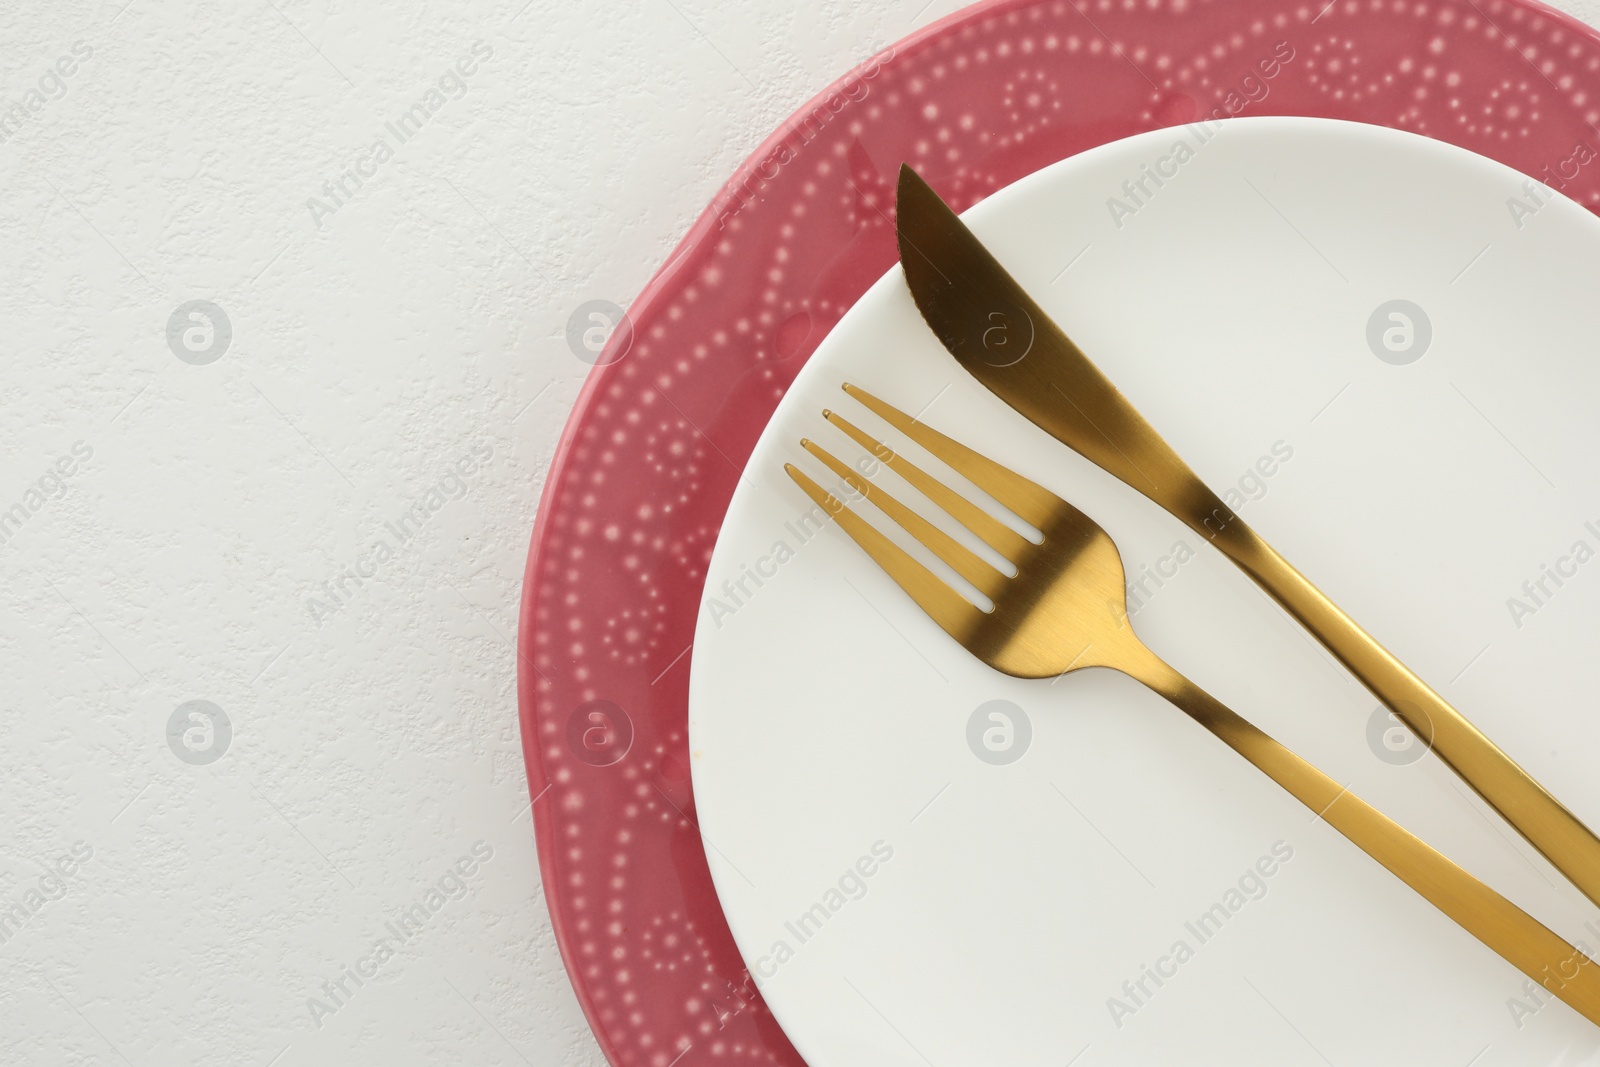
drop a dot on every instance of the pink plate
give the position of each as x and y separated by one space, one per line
651 455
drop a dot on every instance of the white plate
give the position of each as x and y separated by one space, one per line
829 718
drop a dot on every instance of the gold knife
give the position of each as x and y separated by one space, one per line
1005 340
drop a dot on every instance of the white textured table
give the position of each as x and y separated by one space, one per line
261 781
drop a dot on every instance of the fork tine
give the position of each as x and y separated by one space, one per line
967 563
1032 502
996 534
943 604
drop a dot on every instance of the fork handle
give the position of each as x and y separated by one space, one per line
1516 936
1558 834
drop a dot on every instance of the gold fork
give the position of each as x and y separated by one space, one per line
1064 610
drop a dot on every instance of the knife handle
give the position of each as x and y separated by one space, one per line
1512 933
1560 836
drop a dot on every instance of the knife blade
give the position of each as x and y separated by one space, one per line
1001 336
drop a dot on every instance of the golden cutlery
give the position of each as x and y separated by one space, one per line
1064 609
1005 340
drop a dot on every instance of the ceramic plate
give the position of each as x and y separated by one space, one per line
659 437
1379 348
